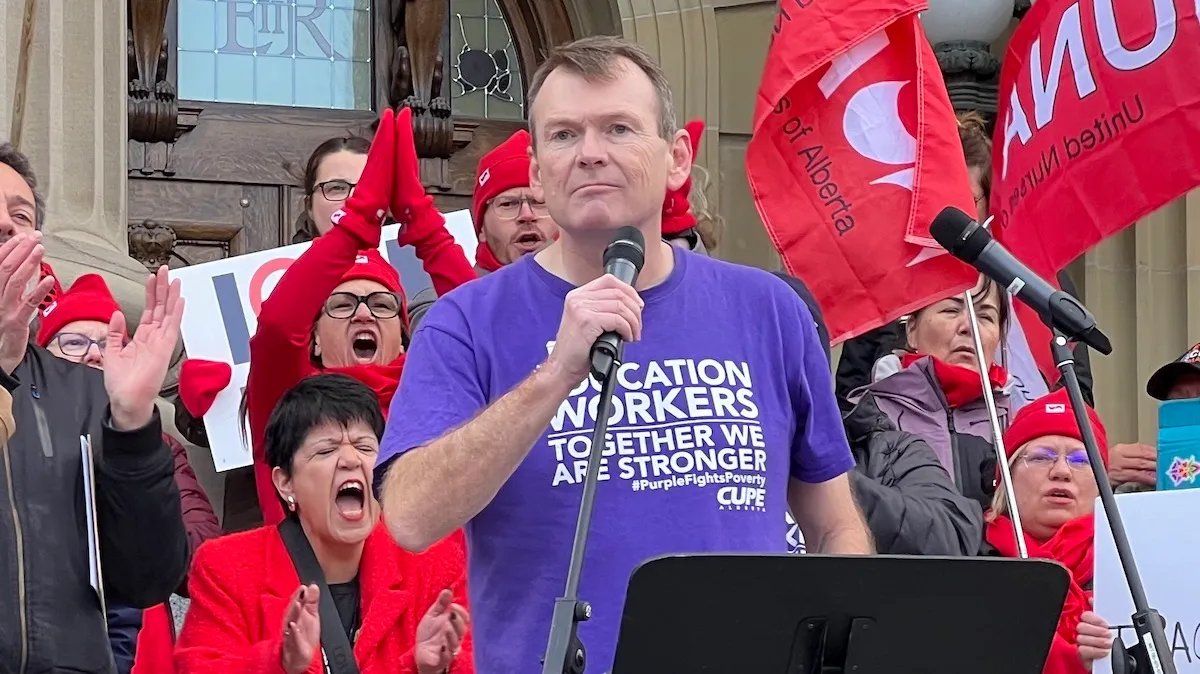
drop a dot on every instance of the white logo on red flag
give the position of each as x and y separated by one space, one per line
855 151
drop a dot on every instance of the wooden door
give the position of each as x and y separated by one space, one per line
227 99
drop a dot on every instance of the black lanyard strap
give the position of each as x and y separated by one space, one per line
337 653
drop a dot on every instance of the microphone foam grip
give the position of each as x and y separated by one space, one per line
959 234
627 244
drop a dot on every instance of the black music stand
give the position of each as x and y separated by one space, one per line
817 614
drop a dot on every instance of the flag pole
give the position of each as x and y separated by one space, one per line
984 362
21 90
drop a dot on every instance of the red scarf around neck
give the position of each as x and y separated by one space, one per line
1072 546
485 259
960 384
382 379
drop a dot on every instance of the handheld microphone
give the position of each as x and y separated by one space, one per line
970 242
623 258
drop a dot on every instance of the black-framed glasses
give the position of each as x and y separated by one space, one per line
1044 457
76 345
509 208
381 304
336 190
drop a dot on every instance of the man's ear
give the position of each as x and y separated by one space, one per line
681 160
535 173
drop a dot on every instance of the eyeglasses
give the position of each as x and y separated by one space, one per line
381 304
1044 458
76 345
509 208
336 190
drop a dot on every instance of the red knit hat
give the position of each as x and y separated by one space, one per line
369 265
1052 414
199 383
677 210
88 299
505 167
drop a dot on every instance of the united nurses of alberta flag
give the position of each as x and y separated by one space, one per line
678 423
1098 123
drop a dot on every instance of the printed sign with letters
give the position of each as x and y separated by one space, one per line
223 299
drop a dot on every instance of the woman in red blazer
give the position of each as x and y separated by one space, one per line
363 598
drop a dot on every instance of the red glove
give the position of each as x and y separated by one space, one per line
199 383
411 206
364 211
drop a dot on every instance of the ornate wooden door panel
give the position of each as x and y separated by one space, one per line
227 99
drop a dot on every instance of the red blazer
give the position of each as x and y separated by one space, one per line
241 584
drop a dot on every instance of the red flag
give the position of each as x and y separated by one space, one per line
1098 126
855 150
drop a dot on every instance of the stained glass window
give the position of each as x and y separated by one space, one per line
486 72
302 53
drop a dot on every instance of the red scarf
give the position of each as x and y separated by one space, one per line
485 259
960 384
1072 546
382 379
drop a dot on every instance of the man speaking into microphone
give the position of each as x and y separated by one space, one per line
724 414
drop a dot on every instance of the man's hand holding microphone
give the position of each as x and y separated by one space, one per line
607 309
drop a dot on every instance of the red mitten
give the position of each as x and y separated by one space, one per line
411 206
365 210
199 383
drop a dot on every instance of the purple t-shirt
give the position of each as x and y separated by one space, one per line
726 396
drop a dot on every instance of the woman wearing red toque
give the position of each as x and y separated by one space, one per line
326 591
340 306
1056 491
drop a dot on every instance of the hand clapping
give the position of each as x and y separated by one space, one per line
301 629
20 260
134 371
440 635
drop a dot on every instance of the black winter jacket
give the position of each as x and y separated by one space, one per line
909 500
51 620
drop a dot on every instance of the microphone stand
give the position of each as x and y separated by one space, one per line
565 653
1147 655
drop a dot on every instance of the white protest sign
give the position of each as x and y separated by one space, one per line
1165 542
222 299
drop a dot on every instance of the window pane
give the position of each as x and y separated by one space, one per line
487 73
304 53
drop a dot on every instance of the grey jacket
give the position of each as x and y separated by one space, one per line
960 438
911 504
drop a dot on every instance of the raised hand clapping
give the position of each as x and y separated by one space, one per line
301 630
134 371
20 260
440 634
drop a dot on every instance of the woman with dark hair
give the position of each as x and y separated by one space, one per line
332 171
328 584
339 306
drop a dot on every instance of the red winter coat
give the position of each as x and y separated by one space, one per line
241 584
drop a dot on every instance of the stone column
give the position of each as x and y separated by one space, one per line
74 131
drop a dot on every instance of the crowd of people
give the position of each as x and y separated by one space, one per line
418 461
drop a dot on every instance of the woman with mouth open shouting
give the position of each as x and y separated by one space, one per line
327 591
340 307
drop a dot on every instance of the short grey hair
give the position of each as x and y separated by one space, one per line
597 59
13 158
